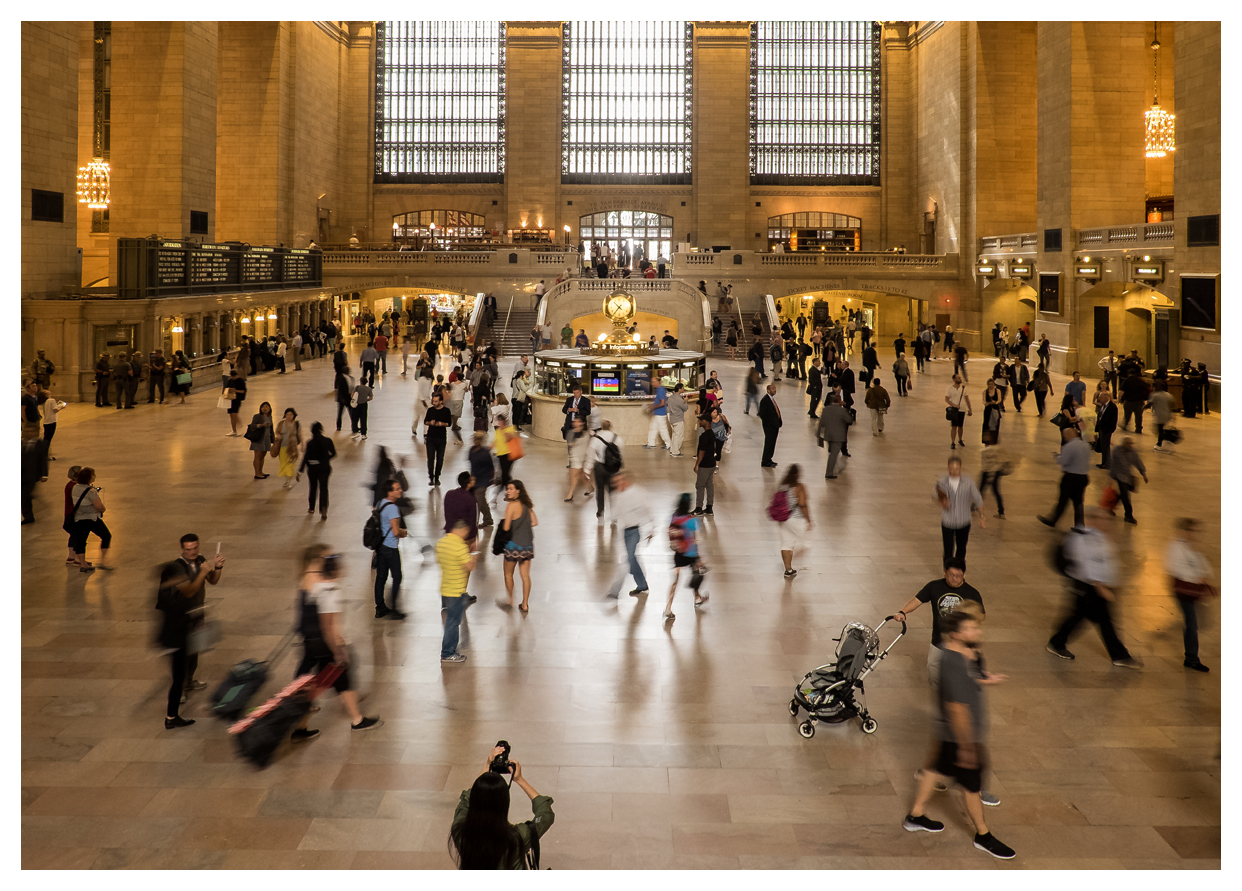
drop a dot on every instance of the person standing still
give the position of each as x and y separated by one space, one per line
456 561
958 498
954 396
770 416
157 365
815 385
705 468
1105 427
1191 577
317 462
181 591
961 729
1075 461
388 554
359 402
677 407
436 422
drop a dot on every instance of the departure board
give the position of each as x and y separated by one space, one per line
170 265
154 267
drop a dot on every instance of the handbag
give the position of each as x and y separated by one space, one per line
1192 590
184 377
223 401
515 446
204 636
68 524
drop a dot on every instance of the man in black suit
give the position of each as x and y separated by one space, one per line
770 416
845 380
576 407
899 345
815 389
1105 427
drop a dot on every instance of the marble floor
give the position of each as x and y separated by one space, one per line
663 745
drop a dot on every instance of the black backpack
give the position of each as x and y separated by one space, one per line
373 531
612 456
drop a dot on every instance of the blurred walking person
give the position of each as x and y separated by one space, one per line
1192 583
1075 461
959 498
182 593
631 507
1090 562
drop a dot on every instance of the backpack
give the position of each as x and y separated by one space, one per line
778 508
612 456
373 531
677 538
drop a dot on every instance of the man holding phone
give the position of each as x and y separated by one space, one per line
181 597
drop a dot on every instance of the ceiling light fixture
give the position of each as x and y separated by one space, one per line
1159 123
95 184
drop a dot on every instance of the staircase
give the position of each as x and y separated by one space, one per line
514 341
745 338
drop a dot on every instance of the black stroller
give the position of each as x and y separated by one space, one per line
827 692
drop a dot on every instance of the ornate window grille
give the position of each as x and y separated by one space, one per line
815 103
439 102
626 95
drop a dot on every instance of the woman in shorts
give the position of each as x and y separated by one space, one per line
519 522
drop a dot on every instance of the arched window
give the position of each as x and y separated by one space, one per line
437 229
815 230
633 235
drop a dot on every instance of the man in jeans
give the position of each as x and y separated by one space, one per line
387 555
456 562
632 508
1075 461
367 362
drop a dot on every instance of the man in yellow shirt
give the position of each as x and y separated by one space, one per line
456 562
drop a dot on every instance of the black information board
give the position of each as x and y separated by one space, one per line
154 267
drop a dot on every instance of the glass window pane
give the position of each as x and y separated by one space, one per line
815 103
440 103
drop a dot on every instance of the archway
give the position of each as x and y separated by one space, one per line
1121 316
887 315
1010 302
632 235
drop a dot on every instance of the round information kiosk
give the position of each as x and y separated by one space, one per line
618 373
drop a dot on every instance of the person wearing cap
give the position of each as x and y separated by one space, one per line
42 370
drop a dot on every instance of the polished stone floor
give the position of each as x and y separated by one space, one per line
663 745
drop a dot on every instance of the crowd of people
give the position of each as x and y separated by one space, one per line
449 374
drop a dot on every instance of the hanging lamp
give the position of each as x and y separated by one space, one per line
1159 123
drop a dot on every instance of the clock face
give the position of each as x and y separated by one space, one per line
619 307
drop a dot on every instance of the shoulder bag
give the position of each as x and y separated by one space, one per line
69 521
500 538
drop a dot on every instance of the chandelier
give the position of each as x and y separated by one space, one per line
1159 123
95 184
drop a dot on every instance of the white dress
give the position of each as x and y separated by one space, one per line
423 392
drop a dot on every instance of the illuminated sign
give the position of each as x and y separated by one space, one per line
986 269
606 385
1020 270
1087 271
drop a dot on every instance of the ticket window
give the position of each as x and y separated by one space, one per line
111 339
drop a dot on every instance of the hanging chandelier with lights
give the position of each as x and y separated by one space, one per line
95 184
1159 123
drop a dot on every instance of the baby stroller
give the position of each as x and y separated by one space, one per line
827 692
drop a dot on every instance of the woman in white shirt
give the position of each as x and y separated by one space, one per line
1192 582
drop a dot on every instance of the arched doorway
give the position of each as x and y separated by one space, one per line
1010 302
1122 316
632 235
815 230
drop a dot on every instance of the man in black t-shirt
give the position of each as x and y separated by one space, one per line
435 434
181 595
705 467
945 595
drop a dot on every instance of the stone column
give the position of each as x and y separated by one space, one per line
721 139
533 125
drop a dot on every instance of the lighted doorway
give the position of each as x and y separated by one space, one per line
632 235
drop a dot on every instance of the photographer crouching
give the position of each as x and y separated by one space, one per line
481 836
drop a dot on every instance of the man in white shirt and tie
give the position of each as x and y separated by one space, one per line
1108 365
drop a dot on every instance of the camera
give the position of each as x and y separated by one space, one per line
500 764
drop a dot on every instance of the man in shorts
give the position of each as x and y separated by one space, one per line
962 726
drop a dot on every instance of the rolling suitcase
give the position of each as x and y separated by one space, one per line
244 679
261 732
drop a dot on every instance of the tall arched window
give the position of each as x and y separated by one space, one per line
632 235
438 229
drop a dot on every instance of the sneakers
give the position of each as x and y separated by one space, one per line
913 824
790 573
1059 651
696 512
707 511
1196 665
1128 662
994 846
1157 448
639 592
989 799
302 735
456 657
381 612
366 724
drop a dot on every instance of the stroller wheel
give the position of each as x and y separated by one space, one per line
807 729
869 725
793 707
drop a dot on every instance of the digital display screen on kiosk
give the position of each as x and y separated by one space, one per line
606 386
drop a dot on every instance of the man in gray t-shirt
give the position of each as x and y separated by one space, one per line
961 728
677 407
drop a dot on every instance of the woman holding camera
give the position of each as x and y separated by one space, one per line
481 836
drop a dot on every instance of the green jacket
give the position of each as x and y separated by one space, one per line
541 805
